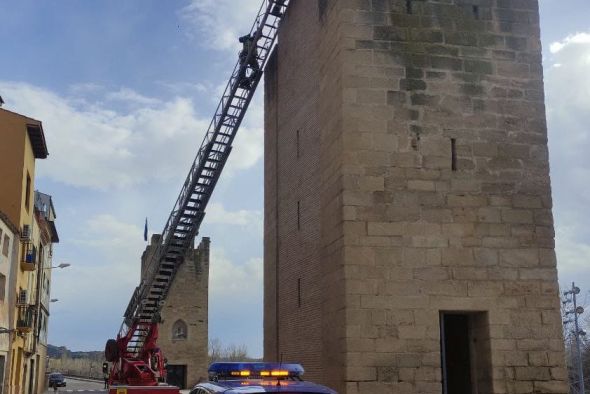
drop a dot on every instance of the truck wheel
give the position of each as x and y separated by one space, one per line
111 351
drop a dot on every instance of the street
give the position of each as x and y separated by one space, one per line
83 386
80 386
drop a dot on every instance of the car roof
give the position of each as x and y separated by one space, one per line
264 386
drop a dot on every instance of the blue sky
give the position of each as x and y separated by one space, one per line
125 91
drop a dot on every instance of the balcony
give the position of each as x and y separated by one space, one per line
28 261
24 321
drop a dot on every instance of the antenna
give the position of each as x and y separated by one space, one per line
280 367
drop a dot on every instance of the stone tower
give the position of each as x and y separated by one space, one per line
184 328
409 242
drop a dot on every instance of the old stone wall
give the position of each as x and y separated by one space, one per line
292 212
300 190
434 193
184 327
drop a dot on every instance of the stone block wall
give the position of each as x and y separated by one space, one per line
432 192
292 209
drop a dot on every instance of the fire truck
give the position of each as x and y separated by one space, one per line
138 365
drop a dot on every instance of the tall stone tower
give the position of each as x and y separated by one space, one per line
184 328
409 242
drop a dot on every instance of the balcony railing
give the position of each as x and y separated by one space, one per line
24 322
29 259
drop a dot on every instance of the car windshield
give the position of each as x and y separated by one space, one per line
56 376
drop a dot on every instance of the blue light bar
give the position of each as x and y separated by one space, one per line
254 370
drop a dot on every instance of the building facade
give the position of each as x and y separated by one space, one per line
45 217
23 142
409 241
9 243
183 331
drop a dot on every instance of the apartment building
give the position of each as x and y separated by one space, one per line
23 142
9 243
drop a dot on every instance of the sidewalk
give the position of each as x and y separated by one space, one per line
83 379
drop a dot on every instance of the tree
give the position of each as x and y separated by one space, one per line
220 352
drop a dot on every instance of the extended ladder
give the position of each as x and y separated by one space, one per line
188 212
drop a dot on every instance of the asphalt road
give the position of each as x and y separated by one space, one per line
80 386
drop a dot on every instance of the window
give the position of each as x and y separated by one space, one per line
28 192
409 9
2 368
465 353
476 14
298 215
179 330
6 245
453 154
298 146
299 292
2 288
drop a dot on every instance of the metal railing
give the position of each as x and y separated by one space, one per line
25 317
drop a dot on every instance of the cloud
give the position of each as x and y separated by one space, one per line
228 280
235 300
98 288
184 87
130 96
113 145
116 239
568 99
216 214
578 38
95 290
573 252
220 22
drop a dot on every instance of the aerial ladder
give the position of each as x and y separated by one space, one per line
135 357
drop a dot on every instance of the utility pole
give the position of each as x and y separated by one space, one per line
576 311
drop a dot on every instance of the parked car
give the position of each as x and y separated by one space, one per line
57 380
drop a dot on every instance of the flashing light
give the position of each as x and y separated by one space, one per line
243 374
255 383
254 370
279 373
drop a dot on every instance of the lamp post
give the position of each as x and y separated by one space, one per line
38 303
576 311
62 265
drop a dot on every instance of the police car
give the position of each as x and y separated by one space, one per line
257 378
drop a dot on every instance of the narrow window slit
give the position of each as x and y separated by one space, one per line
298 215
409 6
299 292
476 13
297 144
454 154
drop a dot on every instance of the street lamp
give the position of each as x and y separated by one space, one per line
62 265
53 300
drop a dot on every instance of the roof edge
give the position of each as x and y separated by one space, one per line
37 137
9 224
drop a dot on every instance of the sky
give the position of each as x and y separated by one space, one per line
126 90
